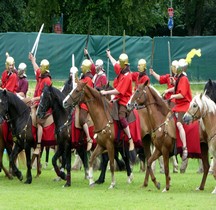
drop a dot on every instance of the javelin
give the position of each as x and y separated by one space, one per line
169 56
34 48
108 47
152 55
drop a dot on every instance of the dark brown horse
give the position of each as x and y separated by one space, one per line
202 107
100 112
163 129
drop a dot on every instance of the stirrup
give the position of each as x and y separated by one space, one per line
89 144
131 144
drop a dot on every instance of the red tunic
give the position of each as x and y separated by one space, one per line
139 80
122 83
89 82
100 80
40 83
183 87
165 79
9 82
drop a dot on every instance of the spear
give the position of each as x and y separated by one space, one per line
108 47
123 41
169 56
35 46
152 54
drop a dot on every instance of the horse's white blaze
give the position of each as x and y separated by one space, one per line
65 101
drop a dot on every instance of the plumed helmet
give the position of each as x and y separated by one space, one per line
44 66
141 65
123 60
182 66
86 66
174 66
22 69
9 61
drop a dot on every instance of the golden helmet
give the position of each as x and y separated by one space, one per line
141 65
123 60
9 61
174 66
182 66
86 66
44 66
22 69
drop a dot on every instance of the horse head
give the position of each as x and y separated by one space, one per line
76 96
3 104
210 88
45 102
138 98
199 107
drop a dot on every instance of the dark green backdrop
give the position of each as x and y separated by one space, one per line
58 49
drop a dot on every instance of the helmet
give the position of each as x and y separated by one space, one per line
73 70
9 61
86 66
141 65
22 69
182 66
174 66
99 65
44 66
123 60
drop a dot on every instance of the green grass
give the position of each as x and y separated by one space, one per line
46 194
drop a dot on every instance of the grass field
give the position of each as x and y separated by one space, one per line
45 194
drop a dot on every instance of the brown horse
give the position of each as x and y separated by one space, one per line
202 107
163 129
100 112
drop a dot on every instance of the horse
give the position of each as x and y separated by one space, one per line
210 88
53 98
100 112
163 129
17 114
202 107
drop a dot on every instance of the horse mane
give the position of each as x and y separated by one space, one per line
160 103
210 88
204 103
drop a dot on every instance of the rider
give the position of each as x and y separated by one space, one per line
22 81
87 78
140 77
183 96
9 79
123 91
43 77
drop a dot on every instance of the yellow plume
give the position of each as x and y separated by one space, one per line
191 54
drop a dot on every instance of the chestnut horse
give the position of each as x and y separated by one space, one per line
163 128
202 107
100 112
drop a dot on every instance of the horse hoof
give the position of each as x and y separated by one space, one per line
158 185
111 187
214 191
67 185
164 190
92 184
28 182
57 179
99 182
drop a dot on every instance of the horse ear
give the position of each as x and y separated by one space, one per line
146 83
5 92
210 81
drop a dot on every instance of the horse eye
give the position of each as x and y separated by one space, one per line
194 105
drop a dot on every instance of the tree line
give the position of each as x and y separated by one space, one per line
102 17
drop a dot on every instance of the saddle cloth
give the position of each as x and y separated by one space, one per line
192 140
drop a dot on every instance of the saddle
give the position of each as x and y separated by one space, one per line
114 113
77 123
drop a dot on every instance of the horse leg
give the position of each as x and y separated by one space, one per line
214 172
84 157
103 166
28 164
110 149
58 153
7 173
16 150
125 156
205 161
47 149
156 154
68 164
97 151
166 169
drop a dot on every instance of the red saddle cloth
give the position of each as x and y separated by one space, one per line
134 129
192 140
76 137
7 135
48 137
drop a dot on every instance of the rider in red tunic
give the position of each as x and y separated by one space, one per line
87 78
140 77
43 78
9 79
122 91
183 96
